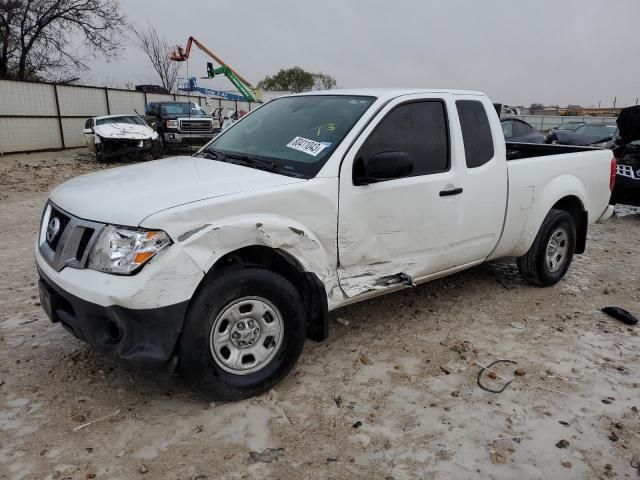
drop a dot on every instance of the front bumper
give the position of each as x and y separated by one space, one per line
175 138
626 191
143 339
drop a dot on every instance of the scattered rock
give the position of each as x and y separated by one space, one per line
143 468
78 418
562 422
492 375
563 443
613 437
365 359
342 321
357 424
566 464
198 429
520 372
455 393
445 370
517 325
606 401
338 401
267 456
608 466
90 476
331 460
228 456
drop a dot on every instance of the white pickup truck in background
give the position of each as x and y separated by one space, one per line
222 263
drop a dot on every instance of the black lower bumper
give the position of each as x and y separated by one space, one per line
626 191
143 339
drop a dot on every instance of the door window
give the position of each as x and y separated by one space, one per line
418 129
476 132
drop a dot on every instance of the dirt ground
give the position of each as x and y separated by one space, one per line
391 394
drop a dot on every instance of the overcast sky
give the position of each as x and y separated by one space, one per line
518 52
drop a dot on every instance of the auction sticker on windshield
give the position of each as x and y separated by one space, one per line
307 146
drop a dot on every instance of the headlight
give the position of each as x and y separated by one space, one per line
124 250
172 124
600 145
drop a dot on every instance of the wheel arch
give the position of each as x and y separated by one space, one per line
310 287
574 207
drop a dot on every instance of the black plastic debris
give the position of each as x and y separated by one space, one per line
620 314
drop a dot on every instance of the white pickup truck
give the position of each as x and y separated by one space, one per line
222 263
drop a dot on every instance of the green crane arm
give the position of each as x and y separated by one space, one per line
224 70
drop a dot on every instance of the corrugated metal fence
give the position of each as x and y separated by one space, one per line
543 123
39 116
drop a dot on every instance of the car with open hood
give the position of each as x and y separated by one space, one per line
626 148
111 136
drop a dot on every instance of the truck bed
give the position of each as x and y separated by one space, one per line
517 151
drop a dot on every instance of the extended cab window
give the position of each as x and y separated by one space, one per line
476 132
418 129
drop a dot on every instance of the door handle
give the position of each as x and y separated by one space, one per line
453 191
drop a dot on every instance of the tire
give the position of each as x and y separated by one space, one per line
536 266
207 367
157 150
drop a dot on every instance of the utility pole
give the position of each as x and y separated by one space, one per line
615 99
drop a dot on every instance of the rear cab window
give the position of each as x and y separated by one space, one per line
476 132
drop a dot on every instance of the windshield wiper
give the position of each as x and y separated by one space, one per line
253 162
213 154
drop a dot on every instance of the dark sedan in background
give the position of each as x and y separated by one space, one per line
568 127
589 134
626 148
516 130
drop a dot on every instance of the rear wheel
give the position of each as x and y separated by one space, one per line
548 259
243 333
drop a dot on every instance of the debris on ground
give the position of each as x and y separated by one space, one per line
143 468
364 358
266 456
487 368
342 321
357 424
520 372
563 443
620 314
518 325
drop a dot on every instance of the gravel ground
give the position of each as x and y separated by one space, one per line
391 394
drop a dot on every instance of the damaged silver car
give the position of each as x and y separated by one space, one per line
113 136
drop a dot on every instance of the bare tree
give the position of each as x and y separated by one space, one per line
157 49
42 38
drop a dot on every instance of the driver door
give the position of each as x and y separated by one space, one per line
397 230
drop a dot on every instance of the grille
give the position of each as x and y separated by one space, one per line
196 125
627 171
68 243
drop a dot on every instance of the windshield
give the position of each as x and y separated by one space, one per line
177 109
133 120
601 131
295 134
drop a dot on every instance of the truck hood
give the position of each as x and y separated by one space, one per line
127 195
125 131
629 124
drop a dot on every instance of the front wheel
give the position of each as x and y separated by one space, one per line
157 149
548 259
243 333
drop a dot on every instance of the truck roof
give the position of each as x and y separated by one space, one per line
389 93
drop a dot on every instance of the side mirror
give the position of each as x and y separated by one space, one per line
88 130
382 166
